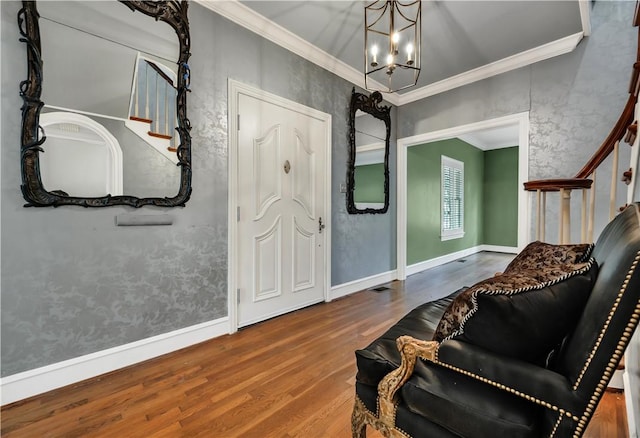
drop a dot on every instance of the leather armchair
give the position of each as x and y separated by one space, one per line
410 385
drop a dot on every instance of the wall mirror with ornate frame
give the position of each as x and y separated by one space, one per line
104 119
368 165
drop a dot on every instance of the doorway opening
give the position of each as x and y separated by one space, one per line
515 126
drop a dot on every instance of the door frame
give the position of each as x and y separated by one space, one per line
235 89
524 221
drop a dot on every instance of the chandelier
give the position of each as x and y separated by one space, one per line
392 44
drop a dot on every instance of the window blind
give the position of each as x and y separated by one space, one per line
452 195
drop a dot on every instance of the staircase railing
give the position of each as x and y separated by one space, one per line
625 130
153 101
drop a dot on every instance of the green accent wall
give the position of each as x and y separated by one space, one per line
424 198
490 198
369 183
500 212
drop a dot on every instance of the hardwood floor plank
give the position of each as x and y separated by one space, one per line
291 376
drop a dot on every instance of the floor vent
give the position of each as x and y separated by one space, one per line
380 289
462 261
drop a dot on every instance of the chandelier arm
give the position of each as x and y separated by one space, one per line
406 27
408 3
404 16
379 32
385 4
382 14
404 66
382 66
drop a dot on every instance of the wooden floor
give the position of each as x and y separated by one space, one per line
291 376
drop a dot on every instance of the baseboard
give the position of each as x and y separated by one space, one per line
631 404
437 261
498 248
345 289
616 382
40 380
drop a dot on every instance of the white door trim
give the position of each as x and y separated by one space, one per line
521 119
235 89
113 165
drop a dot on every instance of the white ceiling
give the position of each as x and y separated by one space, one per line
462 40
493 138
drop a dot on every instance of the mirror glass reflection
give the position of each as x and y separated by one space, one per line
368 161
370 134
110 101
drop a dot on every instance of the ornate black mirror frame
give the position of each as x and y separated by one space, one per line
173 13
370 105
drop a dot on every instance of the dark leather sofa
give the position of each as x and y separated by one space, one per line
410 385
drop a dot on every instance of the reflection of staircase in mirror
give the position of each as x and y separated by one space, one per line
152 110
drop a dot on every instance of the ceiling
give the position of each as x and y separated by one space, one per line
493 138
462 41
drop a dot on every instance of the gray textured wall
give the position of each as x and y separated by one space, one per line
73 283
573 101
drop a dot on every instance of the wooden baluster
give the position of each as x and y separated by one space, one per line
560 219
592 207
583 219
146 90
174 121
136 107
614 181
634 167
166 108
565 215
544 216
157 119
538 213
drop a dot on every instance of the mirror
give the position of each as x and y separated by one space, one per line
368 166
108 125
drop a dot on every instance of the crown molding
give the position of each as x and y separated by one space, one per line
246 17
251 20
531 56
478 143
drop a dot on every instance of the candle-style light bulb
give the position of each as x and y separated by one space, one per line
409 54
395 38
374 56
391 66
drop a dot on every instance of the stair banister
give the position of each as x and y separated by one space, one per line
625 128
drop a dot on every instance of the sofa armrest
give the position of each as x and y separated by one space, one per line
524 379
410 350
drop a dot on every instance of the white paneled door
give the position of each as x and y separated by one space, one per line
280 209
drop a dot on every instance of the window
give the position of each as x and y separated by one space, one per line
452 199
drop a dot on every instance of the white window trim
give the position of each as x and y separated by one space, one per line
457 233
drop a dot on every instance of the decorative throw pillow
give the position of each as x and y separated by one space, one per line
539 254
523 314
